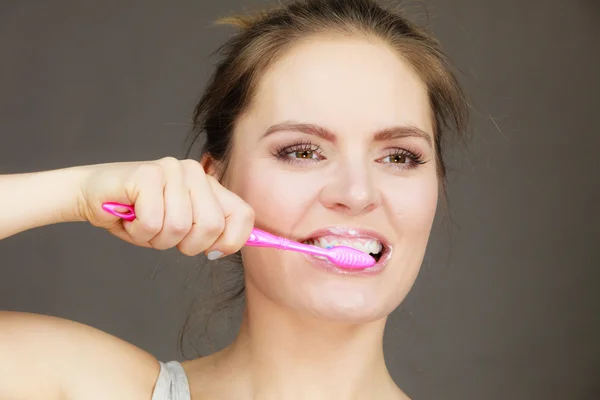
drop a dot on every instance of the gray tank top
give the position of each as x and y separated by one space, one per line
172 383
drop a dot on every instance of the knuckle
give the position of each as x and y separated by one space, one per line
192 165
188 250
179 226
158 245
171 163
151 226
151 172
192 170
195 242
213 227
230 245
169 160
247 213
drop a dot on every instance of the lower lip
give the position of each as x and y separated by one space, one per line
374 270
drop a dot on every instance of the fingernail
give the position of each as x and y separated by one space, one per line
213 255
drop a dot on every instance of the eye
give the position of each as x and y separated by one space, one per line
305 154
397 159
300 152
402 159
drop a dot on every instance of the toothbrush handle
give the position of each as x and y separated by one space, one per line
260 238
264 239
112 208
257 237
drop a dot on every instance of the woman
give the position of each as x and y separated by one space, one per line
324 123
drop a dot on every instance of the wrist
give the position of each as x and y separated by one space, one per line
73 201
58 194
37 199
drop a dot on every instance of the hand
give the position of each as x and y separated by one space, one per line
176 203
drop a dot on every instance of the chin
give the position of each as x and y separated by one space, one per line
344 304
349 314
304 287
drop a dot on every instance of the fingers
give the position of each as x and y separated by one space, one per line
208 221
239 221
178 205
177 219
146 192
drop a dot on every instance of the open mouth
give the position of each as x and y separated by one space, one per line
370 245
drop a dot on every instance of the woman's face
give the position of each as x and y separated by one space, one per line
337 148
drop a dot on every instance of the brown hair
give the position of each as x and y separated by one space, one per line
264 38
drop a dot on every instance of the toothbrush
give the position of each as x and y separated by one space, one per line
342 256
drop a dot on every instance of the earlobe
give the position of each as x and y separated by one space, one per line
210 165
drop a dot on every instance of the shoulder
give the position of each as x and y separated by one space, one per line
43 355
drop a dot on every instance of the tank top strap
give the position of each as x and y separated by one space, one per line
172 383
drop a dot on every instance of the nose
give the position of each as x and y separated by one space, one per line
351 190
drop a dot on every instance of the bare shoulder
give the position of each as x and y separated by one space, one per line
51 358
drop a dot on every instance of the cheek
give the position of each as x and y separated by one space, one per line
413 203
279 198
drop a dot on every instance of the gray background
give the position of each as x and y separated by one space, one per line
506 306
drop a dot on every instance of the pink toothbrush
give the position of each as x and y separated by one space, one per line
342 256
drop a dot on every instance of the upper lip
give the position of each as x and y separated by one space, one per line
348 232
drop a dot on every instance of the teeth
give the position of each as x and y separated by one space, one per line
365 245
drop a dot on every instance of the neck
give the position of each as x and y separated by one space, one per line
282 354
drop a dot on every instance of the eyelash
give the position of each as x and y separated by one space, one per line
415 158
283 154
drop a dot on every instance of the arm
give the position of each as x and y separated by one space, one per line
49 358
176 204
40 198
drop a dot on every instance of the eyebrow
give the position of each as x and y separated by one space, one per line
394 132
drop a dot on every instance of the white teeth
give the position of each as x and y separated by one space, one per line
365 245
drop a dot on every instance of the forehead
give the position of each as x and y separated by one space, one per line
344 84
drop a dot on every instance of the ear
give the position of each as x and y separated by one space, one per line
210 165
